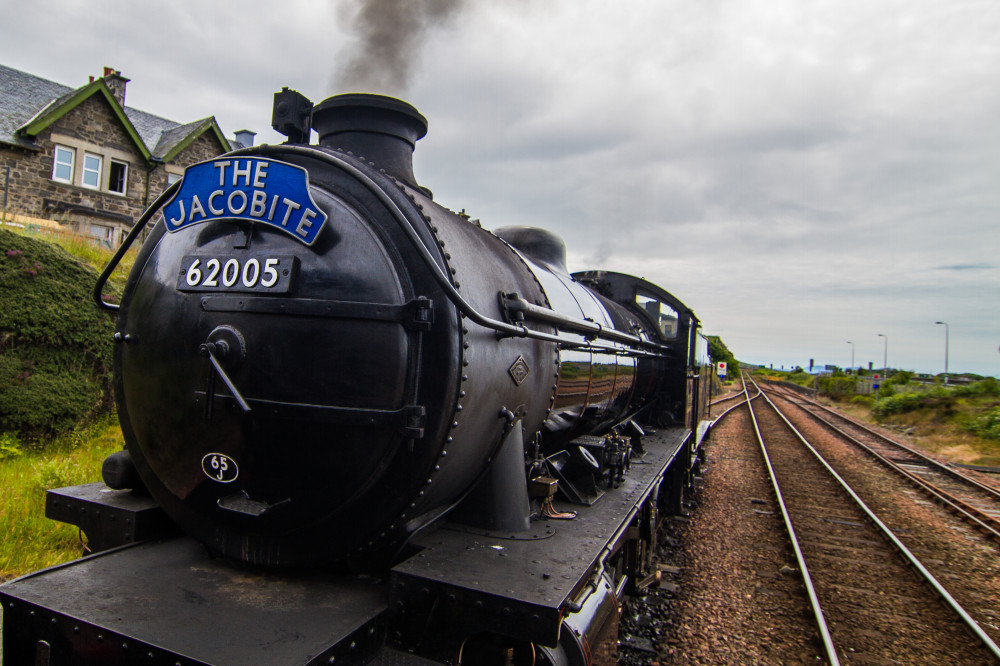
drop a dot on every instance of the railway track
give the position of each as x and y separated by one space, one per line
872 599
729 402
974 501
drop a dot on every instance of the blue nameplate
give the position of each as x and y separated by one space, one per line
247 188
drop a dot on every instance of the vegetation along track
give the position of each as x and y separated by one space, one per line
975 501
873 600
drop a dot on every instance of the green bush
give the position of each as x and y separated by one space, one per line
886 391
902 403
986 424
55 345
719 352
899 378
866 400
838 386
10 447
986 387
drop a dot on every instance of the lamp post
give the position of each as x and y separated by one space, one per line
946 334
852 354
885 355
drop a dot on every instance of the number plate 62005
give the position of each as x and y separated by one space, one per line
254 273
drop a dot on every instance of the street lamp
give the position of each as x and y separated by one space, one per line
885 355
945 350
852 354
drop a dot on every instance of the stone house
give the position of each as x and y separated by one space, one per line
81 157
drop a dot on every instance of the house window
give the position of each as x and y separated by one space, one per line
62 166
118 177
91 171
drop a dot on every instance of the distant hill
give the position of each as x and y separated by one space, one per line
55 345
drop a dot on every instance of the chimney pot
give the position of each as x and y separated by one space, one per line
245 137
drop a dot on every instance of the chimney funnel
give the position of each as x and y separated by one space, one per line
383 130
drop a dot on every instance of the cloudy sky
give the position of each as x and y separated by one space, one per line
803 173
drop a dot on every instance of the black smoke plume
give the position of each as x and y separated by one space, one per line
388 35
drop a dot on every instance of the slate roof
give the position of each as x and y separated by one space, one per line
23 97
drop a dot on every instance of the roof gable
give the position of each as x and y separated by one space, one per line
176 140
61 106
30 104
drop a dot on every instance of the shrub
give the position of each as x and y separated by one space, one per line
886 391
866 400
10 447
988 386
986 425
907 402
55 345
899 378
718 351
838 386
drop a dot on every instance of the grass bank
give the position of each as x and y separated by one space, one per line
48 276
31 541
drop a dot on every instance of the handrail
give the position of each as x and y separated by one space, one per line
137 228
514 330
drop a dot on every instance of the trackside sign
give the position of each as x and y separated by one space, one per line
247 188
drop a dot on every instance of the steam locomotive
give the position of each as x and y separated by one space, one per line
386 434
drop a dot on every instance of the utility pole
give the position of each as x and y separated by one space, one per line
885 355
946 334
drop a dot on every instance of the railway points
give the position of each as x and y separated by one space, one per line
732 571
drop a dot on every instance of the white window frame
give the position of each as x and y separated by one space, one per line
111 170
86 171
56 163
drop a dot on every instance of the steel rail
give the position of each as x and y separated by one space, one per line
977 517
727 399
941 467
817 609
899 545
731 408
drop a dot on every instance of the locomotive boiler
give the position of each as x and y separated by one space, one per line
319 368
